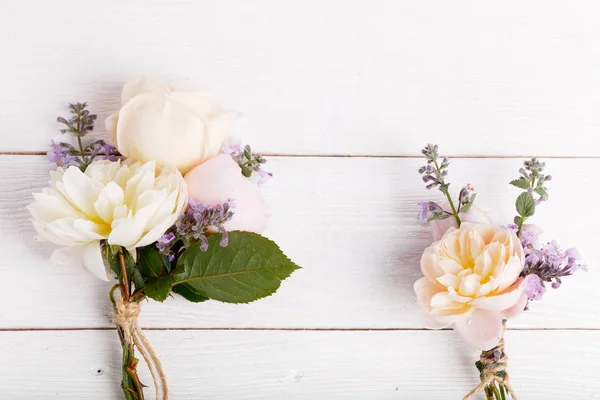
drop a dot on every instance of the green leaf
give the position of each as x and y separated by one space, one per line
517 220
112 257
150 262
438 216
525 205
248 268
521 183
189 293
158 289
138 279
541 191
468 206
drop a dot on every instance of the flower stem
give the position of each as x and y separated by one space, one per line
502 392
444 189
495 391
131 385
454 213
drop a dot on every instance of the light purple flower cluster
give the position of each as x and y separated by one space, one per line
58 153
80 124
193 225
249 162
64 154
546 265
434 172
430 211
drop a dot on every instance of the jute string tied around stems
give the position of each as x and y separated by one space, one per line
491 366
126 316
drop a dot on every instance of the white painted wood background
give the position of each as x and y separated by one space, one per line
490 82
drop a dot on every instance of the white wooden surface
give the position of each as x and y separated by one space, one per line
317 79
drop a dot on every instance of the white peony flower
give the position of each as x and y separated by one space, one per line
174 128
126 203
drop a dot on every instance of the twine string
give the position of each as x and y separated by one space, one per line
493 370
126 317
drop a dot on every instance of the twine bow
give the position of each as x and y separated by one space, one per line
126 317
493 369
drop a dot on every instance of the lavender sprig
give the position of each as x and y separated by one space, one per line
546 265
248 161
434 175
532 180
80 124
194 225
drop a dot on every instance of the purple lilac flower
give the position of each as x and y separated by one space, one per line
424 214
512 227
434 172
550 265
430 209
58 153
248 161
194 225
264 177
233 149
527 238
533 287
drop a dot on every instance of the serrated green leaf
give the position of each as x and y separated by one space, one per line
248 268
189 293
138 279
158 289
468 206
517 220
150 262
525 205
521 183
541 191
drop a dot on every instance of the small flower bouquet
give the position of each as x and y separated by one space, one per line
173 208
478 275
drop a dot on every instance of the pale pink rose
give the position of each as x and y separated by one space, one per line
472 282
474 215
219 180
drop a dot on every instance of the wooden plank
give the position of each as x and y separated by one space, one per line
350 222
314 77
267 365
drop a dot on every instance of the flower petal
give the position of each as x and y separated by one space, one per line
482 330
92 259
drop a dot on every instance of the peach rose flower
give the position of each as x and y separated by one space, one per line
219 180
474 215
472 282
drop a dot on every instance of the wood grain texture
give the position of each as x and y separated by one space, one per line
350 222
314 77
296 365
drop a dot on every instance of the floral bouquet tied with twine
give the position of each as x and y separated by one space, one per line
478 275
173 206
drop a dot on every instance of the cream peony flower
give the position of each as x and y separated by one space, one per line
472 282
127 203
174 128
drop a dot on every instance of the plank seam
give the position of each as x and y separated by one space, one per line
104 328
398 156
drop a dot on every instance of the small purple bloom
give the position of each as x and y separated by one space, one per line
527 237
233 149
58 153
109 149
166 238
264 177
512 227
533 287
55 153
424 214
